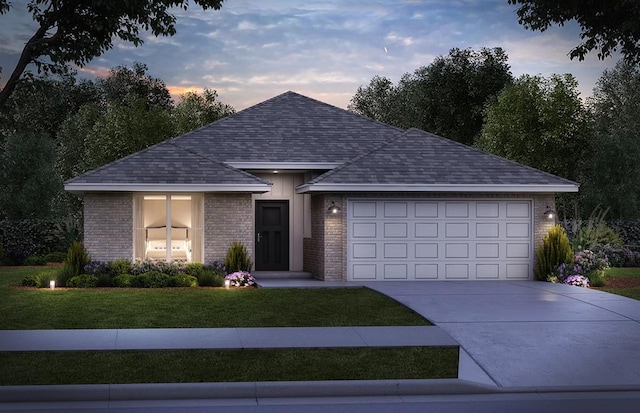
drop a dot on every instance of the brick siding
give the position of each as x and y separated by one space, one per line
227 218
108 225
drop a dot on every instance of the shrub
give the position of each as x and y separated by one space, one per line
241 279
77 258
151 279
35 260
96 268
117 267
56 256
31 280
594 232
210 278
194 268
83 281
597 278
237 258
26 237
64 274
123 280
183 280
555 250
143 266
104 280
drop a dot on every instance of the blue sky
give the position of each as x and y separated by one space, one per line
252 50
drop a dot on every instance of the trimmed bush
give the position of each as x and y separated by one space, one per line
56 256
237 258
118 267
194 268
104 280
96 268
183 280
35 260
123 280
210 278
555 250
597 278
83 281
151 279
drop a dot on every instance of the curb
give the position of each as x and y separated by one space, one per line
238 390
263 390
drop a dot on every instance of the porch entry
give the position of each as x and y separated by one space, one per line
272 236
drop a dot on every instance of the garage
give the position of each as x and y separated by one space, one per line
396 239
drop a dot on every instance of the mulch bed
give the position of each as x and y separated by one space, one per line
622 282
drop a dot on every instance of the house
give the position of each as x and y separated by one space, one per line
306 186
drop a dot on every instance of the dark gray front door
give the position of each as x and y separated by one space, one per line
272 235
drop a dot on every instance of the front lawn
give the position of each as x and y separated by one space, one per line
193 307
22 308
623 281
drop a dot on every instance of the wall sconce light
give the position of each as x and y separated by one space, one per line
334 209
52 284
227 284
550 213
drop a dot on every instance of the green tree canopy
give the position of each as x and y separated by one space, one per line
612 175
607 26
124 83
71 31
540 122
195 110
446 98
29 182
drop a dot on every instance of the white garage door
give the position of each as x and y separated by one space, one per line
440 240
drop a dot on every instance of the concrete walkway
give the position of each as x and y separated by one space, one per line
531 333
223 338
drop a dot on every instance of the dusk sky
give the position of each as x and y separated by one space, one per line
252 50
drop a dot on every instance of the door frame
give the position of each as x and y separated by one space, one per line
285 225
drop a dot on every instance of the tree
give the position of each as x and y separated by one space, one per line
540 122
607 26
195 110
123 82
612 175
29 181
446 98
78 31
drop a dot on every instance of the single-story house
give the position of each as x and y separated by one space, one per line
307 186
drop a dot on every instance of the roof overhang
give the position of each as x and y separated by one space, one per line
175 188
320 187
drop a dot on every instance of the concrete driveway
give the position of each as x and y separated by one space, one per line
529 333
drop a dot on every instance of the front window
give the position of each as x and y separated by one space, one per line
168 227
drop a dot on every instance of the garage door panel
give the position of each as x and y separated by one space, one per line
426 271
443 239
456 271
456 230
487 271
395 271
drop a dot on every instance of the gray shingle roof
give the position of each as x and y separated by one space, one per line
421 158
294 128
166 163
289 128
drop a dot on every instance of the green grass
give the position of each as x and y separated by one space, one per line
631 290
197 307
190 366
623 272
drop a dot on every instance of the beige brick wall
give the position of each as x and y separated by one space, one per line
227 218
108 225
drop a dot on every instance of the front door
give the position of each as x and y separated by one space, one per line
272 235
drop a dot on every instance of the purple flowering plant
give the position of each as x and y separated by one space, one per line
577 280
241 279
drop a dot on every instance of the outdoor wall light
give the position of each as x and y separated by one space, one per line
52 284
550 213
227 284
334 209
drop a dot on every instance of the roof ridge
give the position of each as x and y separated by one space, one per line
473 148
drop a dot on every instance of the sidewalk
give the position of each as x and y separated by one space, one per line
223 338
